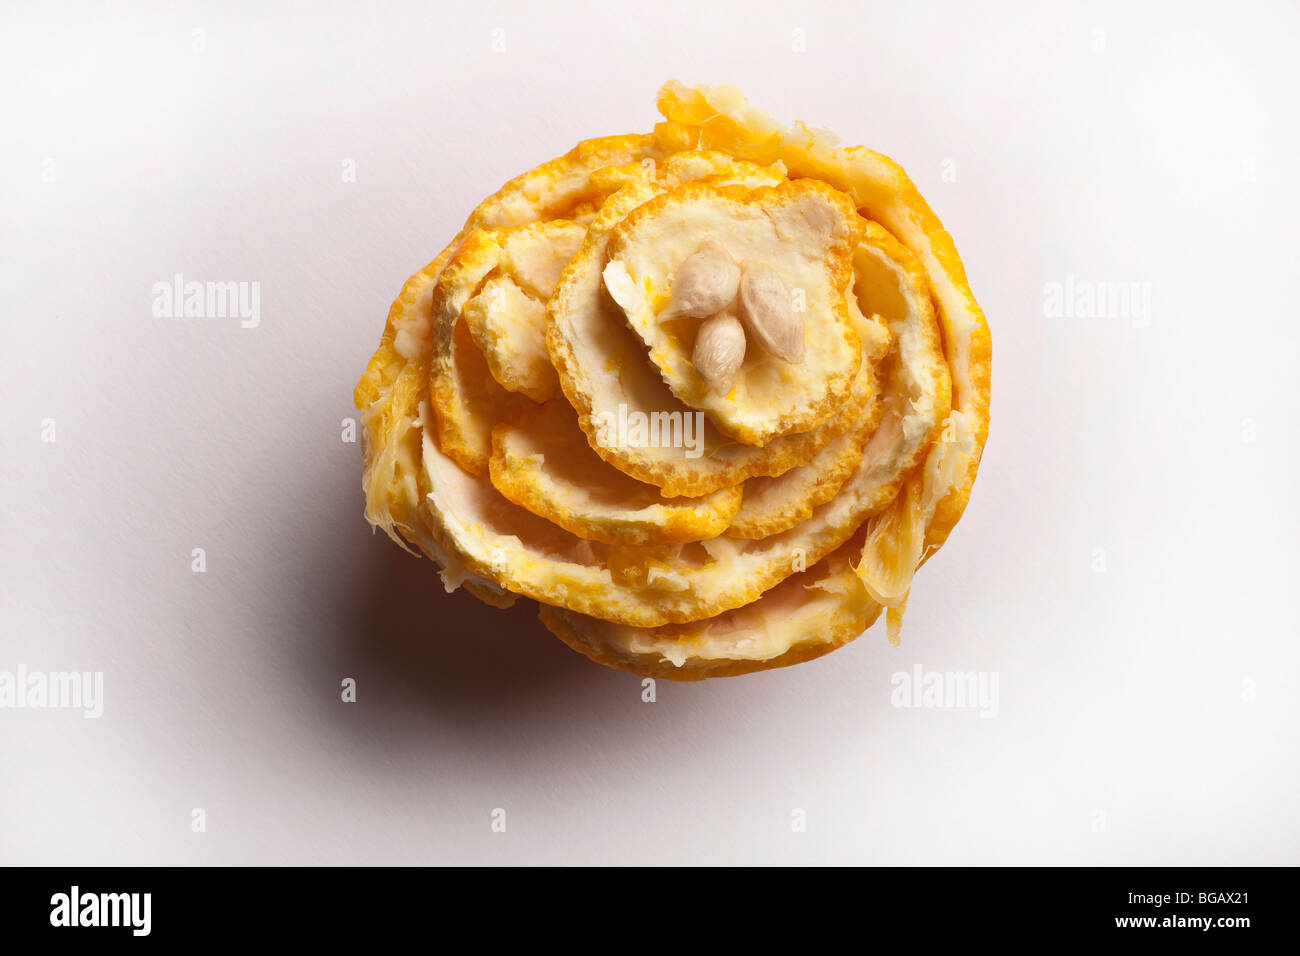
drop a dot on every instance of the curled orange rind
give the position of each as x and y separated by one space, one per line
709 395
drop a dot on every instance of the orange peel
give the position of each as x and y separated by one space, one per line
713 534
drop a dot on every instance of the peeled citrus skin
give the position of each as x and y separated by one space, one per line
533 423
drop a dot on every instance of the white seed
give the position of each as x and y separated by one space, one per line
768 314
705 283
719 350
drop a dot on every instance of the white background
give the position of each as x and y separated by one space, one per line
1147 712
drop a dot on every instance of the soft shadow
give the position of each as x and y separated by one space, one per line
461 658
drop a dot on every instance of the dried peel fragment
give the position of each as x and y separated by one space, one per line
797 237
542 462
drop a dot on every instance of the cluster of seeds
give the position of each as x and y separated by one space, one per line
737 303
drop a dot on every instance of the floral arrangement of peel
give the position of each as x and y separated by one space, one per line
710 396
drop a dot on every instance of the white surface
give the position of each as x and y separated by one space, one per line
1167 157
